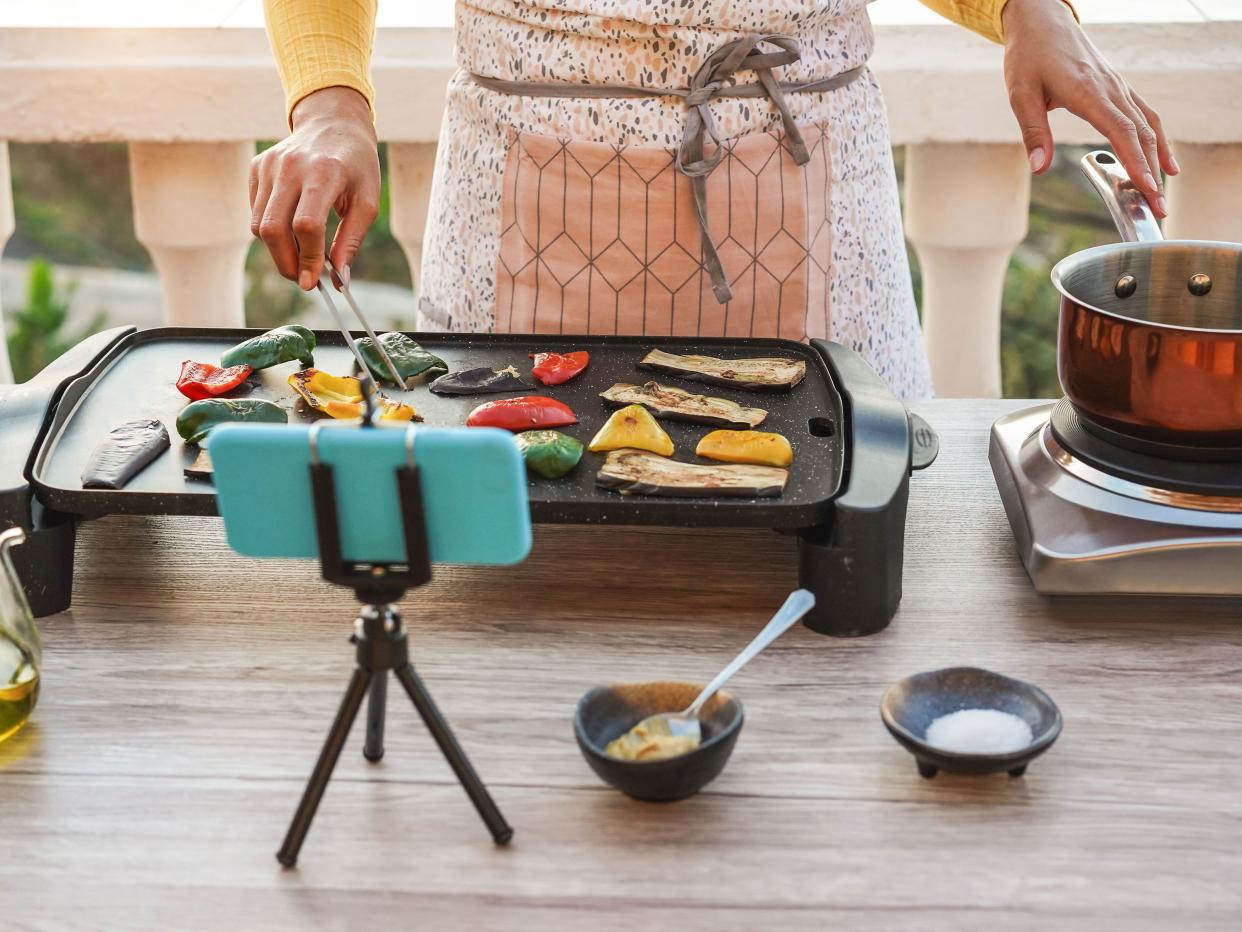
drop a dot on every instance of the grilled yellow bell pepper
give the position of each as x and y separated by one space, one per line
635 428
746 446
341 397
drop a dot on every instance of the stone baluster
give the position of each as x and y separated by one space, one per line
966 210
410 167
191 212
6 230
1203 199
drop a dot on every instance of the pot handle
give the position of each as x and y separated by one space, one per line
1131 212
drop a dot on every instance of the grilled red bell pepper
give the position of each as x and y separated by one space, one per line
525 413
201 380
555 368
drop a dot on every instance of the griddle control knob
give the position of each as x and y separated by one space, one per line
924 443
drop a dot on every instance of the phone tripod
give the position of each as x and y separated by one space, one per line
382 647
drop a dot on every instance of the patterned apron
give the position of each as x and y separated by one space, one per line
715 168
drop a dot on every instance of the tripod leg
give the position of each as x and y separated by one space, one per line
373 750
352 701
487 808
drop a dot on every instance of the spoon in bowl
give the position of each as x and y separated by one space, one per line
685 725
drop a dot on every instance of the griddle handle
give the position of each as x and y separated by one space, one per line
45 562
853 562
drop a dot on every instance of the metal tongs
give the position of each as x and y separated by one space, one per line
369 389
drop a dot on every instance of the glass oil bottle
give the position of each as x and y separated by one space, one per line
20 651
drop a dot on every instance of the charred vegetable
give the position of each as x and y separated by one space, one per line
284 344
414 364
201 468
125 452
198 417
746 446
557 368
676 404
341 397
480 381
632 426
317 388
638 472
526 413
769 373
549 453
200 380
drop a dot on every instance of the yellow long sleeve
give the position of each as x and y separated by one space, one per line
327 43
322 43
981 16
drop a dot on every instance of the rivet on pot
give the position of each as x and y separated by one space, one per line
1199 284
1126 286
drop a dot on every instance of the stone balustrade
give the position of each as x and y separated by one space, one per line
193 88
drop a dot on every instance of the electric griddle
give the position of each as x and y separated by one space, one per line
854 447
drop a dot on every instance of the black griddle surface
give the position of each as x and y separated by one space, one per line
136 379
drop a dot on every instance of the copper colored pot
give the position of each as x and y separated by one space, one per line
1150 337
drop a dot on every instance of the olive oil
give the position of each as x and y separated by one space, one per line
19 687
20 653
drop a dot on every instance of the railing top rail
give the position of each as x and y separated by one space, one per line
216 80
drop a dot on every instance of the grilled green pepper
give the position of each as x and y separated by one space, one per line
198 417
549 453
284 344
412 361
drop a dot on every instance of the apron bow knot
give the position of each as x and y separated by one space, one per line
710 82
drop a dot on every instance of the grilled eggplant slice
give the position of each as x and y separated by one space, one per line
642 473
480 381
125 452
201 468
761 374
677 404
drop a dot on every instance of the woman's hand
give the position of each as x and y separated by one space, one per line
1050 63
328 161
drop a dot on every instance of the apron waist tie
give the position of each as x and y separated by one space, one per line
708 83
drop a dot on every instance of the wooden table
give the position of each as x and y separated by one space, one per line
187 693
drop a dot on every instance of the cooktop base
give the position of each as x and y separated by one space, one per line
1081 530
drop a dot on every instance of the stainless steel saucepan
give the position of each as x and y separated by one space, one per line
1150 335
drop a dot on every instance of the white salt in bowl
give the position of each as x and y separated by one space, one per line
910 707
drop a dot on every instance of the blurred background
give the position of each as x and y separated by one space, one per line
74 265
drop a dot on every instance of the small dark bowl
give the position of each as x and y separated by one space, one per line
913 704
607 712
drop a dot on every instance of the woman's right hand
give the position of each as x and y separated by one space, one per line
328 161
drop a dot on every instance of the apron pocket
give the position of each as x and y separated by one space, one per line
597 238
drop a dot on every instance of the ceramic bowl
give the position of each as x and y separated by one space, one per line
607 712
911 705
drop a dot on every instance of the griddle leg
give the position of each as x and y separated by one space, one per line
854 568
352 701
373 750
44 563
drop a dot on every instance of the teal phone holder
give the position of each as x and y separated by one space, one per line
381 645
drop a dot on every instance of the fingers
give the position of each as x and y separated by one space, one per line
1030 106
276 228
310 227
1128 138
355 221
260 192
291 197
1165 151
1148 141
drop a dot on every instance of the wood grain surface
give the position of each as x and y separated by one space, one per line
186 694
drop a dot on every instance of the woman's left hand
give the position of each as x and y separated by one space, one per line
1050 63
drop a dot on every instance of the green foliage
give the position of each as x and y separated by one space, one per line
270 300
38 336
72 205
